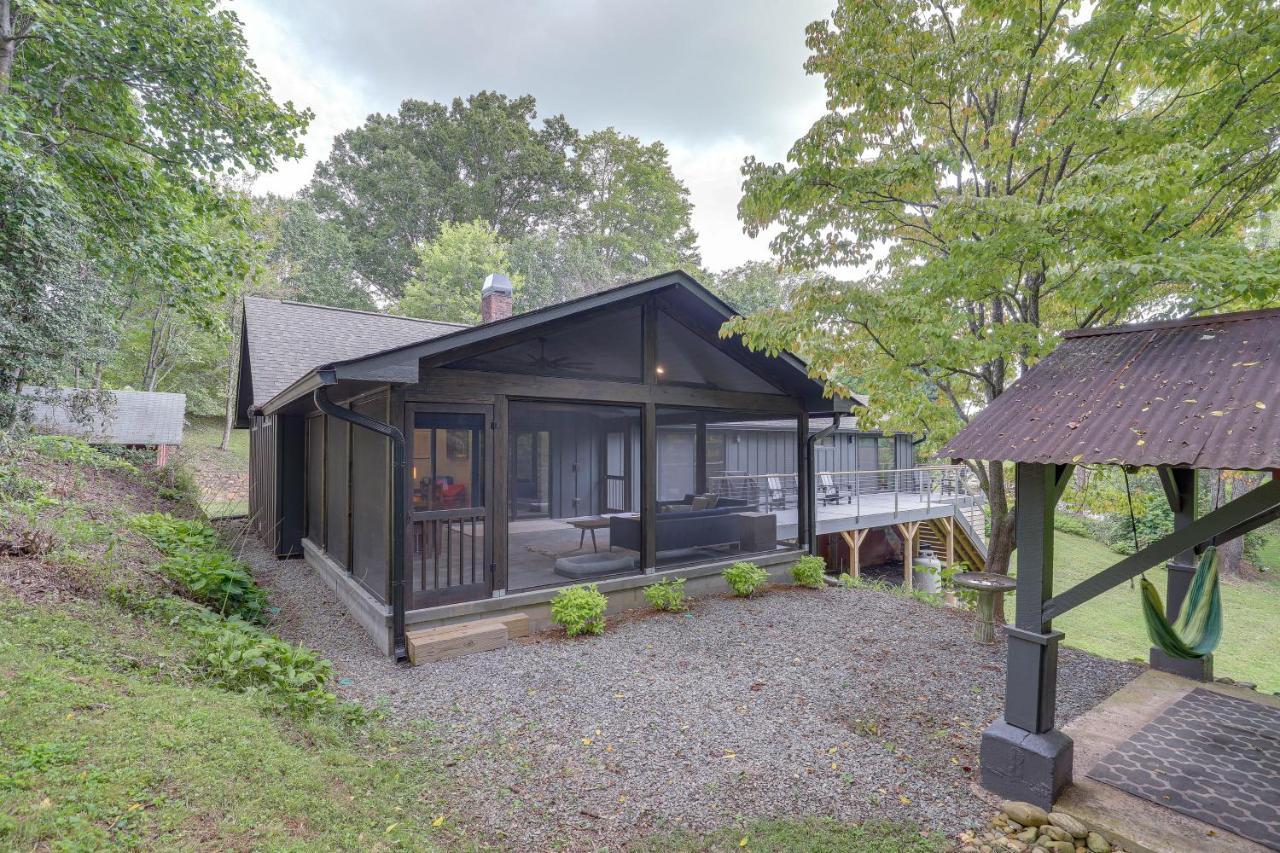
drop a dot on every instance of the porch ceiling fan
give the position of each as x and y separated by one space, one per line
541 361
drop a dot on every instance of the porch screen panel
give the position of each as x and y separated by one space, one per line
370 502
572 493
337 525
315 479
726 484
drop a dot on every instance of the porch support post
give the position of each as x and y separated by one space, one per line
700 456
1180 488
1023 756
649 488
806 526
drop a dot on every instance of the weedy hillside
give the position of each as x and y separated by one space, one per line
142 702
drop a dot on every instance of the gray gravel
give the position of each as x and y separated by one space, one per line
849 704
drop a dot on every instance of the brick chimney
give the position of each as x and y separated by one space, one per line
495 298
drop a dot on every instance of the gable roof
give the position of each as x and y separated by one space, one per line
285 340
1200 393
399 363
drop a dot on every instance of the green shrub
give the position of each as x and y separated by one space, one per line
68 449
666 595
242 658
171 534
579 609
209 573
848 581
745 578
810 570
218 580
1073 524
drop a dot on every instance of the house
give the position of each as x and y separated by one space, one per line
127 418
434 473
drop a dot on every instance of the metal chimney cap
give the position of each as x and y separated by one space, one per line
496 283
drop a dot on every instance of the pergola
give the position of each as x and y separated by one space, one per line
1181 396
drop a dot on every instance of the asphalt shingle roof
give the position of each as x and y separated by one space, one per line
288 339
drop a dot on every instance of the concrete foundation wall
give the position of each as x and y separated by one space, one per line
372 615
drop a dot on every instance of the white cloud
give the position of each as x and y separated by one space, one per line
716 81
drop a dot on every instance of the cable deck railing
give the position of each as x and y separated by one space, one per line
907 488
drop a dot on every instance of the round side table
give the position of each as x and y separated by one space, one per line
987 585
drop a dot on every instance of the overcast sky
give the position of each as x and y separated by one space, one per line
715 80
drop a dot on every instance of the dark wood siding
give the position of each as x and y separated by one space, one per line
263 492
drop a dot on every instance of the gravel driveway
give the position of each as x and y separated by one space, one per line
846 703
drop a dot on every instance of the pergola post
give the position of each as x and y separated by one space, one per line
1180 488
1023 756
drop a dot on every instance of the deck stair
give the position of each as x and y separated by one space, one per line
933 535
432 645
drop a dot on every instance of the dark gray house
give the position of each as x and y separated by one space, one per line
433 472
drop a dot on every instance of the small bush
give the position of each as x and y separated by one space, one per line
579 609
218 580
1072 524
68 449
848 581
745 578
239 657
171 534
209 573
666 595
810 570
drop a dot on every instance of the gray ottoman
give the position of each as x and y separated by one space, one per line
583 566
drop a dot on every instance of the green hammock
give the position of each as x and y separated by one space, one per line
1199 626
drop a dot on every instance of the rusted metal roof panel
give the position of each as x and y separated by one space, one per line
1199 393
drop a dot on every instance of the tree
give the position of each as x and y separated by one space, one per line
633 208
1010 170
755 286
394 181
121 124
309 258
451 269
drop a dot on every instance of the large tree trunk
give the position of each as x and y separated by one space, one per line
1003 528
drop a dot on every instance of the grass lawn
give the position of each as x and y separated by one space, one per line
1269 554
1111 625
803 836
106 741
223 475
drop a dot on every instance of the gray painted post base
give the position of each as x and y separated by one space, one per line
1196 670
1019 765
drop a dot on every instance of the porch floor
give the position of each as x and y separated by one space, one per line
1132 821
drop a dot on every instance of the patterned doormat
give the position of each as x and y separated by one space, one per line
1211 757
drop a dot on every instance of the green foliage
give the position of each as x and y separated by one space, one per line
576 212
1073 524
243 658
393 182
309 258
666 594
745 579
171 535
113 176
446 283
756 286
579 609
802 835
811 571
847 581
104 719
218 580
67 449
210 574
1004 175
